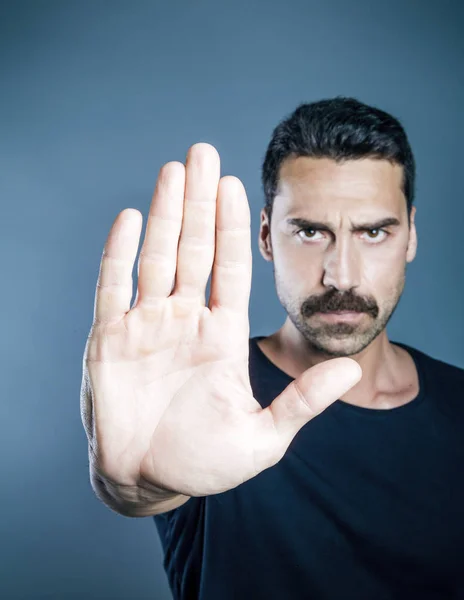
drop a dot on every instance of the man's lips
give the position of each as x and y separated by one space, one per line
340 315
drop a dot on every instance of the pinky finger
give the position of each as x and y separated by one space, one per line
114 286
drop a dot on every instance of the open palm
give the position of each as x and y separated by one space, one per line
169 397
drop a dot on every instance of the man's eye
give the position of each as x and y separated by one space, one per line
309 237
374 234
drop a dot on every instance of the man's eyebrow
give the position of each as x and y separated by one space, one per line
304 223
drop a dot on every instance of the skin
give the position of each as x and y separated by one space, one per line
361 270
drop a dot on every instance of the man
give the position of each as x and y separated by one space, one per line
365 500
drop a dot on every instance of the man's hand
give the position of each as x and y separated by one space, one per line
166 396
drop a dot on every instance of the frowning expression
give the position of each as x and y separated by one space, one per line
340 240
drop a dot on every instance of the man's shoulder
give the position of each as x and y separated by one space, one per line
442 379
439 365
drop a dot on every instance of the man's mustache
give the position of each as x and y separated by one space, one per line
335 301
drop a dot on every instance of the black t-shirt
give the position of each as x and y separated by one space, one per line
366 504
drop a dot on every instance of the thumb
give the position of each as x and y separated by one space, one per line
302 400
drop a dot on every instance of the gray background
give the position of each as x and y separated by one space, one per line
95 97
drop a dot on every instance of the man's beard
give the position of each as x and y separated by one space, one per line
335 339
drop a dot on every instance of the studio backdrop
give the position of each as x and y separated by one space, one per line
95 97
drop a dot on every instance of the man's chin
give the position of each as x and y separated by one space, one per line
338 345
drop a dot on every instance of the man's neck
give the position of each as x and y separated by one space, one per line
389 375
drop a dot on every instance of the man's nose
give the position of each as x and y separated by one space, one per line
342 266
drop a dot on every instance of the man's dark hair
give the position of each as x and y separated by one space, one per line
339 128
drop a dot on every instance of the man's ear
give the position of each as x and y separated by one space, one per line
412 243
264 238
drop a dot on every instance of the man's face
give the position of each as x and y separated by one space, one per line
345 250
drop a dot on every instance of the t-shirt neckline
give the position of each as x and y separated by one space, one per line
341 404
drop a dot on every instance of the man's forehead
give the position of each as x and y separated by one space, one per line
367 184
321 168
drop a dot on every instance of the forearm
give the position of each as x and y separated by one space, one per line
134 501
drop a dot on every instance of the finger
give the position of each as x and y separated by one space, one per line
231 276
306 397
158 257
196 244
114 286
